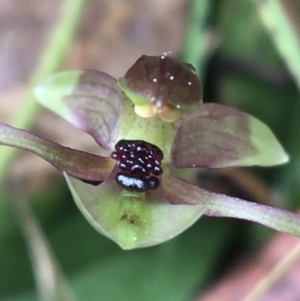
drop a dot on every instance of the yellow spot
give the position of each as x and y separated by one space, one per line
146 111
167 112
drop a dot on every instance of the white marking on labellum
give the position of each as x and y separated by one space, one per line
172 77
165 54
155 80
189 83
159 103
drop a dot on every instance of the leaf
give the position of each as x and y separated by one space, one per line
171 271
217 136
131 219
275 17
179 191
89 99
76 163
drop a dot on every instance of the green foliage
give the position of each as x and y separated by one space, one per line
176 270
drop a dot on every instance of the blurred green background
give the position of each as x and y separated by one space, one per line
240 65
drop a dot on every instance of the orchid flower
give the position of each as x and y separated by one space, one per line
149 123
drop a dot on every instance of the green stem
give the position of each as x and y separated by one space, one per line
52 58
197 35
50 279
277 22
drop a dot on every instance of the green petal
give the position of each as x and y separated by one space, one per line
132 220
182 192
217 136
76 163
153 130
90 100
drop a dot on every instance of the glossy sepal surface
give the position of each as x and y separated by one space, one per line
162 80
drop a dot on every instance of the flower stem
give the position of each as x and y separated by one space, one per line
54 54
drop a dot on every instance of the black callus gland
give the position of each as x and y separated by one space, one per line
140 163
